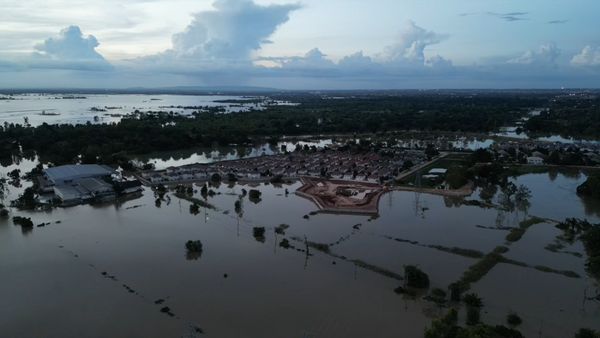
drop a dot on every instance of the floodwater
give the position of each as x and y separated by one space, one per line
210 155
101 270
77 109
512 132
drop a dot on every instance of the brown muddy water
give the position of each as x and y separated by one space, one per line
109 270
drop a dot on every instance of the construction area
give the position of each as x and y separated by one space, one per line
342 196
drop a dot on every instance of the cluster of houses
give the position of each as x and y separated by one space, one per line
76 184
539 153
368 166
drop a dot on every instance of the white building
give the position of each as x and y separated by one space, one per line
534 160
438 171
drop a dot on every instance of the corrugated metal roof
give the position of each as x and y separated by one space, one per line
76 171
94 185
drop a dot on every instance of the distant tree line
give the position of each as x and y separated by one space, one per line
161 131
569 116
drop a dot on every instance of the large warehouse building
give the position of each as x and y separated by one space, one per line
66 174
74 184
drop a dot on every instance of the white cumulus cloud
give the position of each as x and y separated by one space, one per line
546 55
410 44
70 44
313 59
589 56
231 31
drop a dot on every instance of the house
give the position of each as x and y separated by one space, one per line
537 154
534 160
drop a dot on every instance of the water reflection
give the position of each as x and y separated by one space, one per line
591 206
210 155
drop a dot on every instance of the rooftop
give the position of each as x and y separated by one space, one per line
77 171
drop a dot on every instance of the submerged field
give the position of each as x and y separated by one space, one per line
93 266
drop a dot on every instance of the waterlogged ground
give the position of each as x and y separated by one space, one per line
109 270
77 109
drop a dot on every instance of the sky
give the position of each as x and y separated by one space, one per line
301 44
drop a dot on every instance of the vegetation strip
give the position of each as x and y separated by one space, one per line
453 250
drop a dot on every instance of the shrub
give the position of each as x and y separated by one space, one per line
280 229
587 333
24 222
437 296
284 243
473 315
259 233
254 194
456 290
513 319
473 300
415 278
194 246
444 327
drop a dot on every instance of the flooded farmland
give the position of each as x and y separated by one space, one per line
99 264
36 109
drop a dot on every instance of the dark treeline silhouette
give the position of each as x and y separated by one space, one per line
570 116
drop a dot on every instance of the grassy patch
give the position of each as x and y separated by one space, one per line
194 200
458 251
525 224
478 270
515 234
318 246
444 163
376 269
557 247
566 273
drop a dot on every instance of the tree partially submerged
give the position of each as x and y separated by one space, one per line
415 278
591 187
194 246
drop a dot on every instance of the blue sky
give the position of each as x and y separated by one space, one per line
304 44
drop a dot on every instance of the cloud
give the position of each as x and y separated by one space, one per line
69 50
357 61
557 22
70 45
546 55
438 62
410 45
588 57
313 59
510 16
232 31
